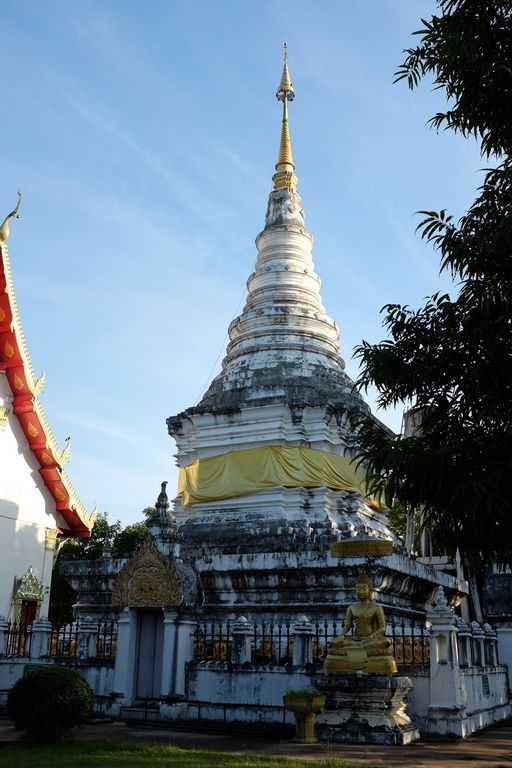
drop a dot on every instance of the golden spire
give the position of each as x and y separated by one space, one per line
285 178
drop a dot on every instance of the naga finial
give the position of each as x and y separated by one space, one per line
4 229
64 456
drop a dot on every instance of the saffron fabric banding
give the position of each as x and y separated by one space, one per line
242 472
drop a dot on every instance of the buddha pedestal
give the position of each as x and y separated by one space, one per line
364 704
365 709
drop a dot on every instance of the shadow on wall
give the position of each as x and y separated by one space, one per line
21 546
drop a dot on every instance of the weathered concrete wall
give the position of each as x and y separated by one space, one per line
497 598
10 673
93 580
484 688
99 675
419 697
244 686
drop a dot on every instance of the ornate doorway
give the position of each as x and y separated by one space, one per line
146 586
149 654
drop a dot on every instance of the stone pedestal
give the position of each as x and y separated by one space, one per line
365 709
305 707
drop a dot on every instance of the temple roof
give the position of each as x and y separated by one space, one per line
15 361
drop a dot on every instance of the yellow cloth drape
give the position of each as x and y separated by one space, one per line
241 472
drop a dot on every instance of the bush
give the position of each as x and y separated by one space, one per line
49 701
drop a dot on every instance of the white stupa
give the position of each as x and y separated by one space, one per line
267 473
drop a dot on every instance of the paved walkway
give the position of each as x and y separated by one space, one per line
490 749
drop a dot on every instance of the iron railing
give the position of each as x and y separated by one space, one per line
106 641
17 640
272 643
63 641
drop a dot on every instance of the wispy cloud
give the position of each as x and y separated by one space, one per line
121 487
99 426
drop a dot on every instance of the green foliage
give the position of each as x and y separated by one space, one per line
121 542
452 359
397 521
467 50
102 536
49 701
95 755
128 539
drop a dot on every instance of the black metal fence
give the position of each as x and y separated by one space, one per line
63 641
18 637
106 641
273 643
411 644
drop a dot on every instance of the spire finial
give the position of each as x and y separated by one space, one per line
4 228
284 178
285 91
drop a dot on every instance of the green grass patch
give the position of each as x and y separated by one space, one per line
105 755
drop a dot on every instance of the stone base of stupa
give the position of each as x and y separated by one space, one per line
365 709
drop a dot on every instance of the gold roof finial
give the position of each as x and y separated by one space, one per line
284 178
4 228
285 90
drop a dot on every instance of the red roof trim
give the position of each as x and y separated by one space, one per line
11 360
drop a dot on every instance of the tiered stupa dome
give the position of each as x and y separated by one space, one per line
283 347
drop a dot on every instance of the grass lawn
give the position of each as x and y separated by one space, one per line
105 755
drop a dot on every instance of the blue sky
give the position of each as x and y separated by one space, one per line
144 137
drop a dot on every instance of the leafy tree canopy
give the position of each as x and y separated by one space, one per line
452 359
119 541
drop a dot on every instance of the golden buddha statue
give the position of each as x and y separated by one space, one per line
368 649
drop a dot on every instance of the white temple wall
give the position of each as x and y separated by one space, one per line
244 688
26 510
504 634
100 677
235 694
484 688
10 672
418 697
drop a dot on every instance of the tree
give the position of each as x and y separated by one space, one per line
48 702
128 539
102 537
119 541
452 359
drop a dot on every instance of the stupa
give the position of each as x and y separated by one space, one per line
268 479
230 607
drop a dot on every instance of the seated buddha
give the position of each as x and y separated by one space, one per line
367 650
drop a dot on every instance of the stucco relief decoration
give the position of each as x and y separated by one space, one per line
50 539
4 416
148 580
284 207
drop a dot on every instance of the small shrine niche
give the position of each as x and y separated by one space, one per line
27 598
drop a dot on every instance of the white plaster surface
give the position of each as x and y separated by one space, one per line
26 509
505 650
